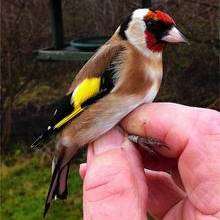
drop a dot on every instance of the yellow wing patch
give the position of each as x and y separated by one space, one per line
68 117
84 91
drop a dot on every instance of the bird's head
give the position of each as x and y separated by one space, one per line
150 30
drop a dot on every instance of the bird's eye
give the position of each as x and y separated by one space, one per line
149 24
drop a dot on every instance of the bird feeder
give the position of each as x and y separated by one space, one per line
79 50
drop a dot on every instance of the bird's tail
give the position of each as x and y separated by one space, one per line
58 185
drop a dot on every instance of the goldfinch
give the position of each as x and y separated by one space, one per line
123 74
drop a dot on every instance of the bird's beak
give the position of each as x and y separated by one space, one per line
174 36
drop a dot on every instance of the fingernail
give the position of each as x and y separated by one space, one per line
82 170
111 140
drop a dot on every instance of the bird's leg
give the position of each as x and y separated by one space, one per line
147 143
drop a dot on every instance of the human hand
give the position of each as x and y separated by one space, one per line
183 183
114 180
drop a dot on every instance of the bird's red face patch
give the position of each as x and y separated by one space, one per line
159 16
152 43
164 17
157 23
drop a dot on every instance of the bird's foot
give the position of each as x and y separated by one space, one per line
147 143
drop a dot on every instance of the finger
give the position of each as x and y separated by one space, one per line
171 123
163 193
158 162
90 154
199 167
82 170
193 136
112 180
161 163
111 140
186 210
112 159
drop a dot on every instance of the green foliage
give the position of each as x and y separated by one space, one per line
32 95
24 186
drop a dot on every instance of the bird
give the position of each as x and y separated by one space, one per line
123 74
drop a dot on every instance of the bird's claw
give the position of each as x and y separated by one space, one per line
147 143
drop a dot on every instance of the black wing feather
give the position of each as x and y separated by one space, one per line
63 107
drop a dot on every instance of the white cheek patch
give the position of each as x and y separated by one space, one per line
140 13
135 34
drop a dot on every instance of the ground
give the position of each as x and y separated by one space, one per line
24 186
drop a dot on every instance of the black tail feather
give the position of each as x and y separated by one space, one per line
58 185
62 191
53 186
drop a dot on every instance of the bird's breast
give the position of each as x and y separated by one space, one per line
151 93
154 74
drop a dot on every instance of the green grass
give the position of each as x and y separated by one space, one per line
24 187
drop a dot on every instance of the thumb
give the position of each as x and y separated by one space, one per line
111 140
114 180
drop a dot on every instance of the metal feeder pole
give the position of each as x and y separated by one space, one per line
57 23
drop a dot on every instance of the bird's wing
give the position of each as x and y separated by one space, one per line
99 62
94 81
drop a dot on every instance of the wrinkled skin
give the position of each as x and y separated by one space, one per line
182 182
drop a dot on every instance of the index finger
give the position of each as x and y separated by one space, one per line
171 123
193 136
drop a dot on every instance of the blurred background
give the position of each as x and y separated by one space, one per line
38 63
